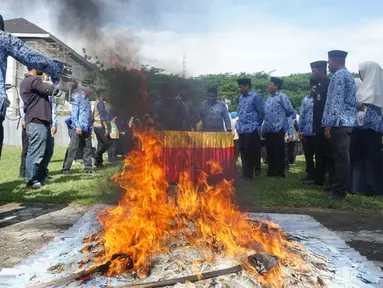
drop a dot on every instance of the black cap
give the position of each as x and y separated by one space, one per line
244 81
313 82
1 23
337 54
322 65
212 90
277 81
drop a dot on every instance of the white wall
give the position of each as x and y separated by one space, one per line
12 135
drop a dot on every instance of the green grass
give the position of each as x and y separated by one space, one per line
289 192
76 188
82 188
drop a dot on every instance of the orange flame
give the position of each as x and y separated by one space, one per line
147 218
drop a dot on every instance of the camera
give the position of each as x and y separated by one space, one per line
66 79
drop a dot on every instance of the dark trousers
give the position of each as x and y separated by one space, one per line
24 143
39 139
291 152
308 143
112 150
275 148
1 134
77 141
366 165
236 150
263 151
339 162
322 157
250 148
103 143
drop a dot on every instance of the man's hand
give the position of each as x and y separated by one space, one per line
78 131
327 132
53 130
287 138
23 124
300 135
106 132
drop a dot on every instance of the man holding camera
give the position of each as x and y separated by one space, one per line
14 47
38 120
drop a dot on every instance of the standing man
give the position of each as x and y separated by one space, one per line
100 125
322 145
25 142
339 117
80 135
38 120
251 113
170 112
306 133
14 47
278 108
213 113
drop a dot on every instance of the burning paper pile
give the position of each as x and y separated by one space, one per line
198 227
153 239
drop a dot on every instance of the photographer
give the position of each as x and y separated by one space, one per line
35 95
14 47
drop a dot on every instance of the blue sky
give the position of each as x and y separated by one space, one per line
231 35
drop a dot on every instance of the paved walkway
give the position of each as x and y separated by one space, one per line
25 229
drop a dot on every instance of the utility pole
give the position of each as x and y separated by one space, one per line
184 66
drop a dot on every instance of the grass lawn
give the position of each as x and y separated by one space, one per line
77 188
82 188
289 192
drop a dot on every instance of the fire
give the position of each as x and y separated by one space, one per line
148 219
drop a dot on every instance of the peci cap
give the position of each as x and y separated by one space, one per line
213 90
1 23
244 81
322 65
337 54
277 81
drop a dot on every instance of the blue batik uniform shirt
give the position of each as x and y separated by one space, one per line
340 108
278 107
212 114
251 113
307 116
81 112
372 118
14 47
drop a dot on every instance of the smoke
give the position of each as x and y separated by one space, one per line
89 21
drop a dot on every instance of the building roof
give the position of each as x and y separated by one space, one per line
22 28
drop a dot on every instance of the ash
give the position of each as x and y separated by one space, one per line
330 261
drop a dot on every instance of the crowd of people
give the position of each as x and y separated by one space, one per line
340 123
340 126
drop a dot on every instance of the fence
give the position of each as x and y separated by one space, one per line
12 134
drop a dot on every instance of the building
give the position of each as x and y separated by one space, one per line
45 42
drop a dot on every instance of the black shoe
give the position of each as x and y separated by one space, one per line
328 189
36 185
335 195
307 180
99 165
257 172
89 171
66 172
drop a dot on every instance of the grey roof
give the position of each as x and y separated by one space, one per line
21 25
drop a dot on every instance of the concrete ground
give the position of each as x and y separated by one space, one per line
25 229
